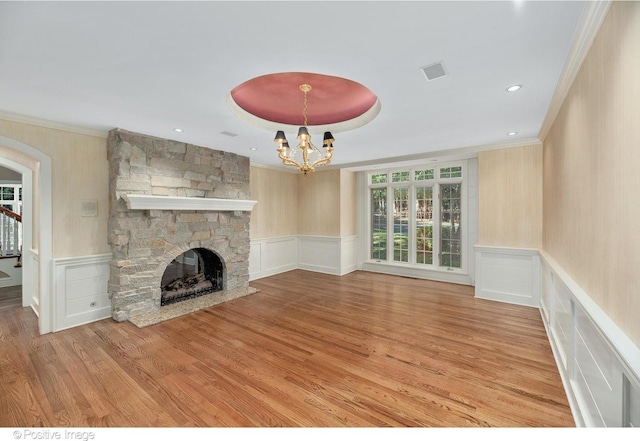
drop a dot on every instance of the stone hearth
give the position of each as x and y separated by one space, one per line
146 237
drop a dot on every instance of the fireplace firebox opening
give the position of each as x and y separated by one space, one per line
192 274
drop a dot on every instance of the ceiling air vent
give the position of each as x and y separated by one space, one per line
434 71
225 133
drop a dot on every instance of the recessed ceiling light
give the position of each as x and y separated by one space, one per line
512 133
514 87
177 130
253 149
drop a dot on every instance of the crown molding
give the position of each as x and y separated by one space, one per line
590 21
437 156
48 124
417 159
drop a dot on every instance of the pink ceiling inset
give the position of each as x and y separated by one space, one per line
278 98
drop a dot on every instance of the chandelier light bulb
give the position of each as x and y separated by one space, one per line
305 146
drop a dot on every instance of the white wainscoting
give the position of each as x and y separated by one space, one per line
272 255
348 254
80 290
599 364
330 255
510 275
12 275
34 301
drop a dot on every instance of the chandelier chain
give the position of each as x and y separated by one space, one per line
304 110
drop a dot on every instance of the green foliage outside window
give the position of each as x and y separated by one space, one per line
6 193
423 175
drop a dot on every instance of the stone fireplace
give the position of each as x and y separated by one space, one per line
178 227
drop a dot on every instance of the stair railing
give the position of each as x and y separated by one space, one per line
10 233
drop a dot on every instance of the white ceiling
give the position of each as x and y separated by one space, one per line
150 67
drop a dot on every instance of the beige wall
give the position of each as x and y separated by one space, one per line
348 203
323 203
592 172
79 171
276 213
319 203
510 197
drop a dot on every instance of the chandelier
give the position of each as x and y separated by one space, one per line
311 156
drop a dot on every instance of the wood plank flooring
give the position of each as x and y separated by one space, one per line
308 350
10 297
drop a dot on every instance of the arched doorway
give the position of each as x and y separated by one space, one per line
11 231
35 168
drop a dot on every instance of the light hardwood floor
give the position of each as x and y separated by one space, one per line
309 350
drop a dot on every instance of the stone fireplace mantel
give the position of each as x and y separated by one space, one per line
150 202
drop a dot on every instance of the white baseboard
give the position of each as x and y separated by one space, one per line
416 272
509 275
80 290
598 363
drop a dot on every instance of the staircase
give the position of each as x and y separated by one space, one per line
10 248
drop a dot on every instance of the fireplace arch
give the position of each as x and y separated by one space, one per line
194 273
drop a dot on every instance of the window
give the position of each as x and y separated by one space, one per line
11 197
451 172
401 224
402 176
10 227
450 197
379 223
423 175
424 225
417 217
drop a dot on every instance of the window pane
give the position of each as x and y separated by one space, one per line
401 224
451 172
6 193
379 223
450 217
423 175
424 225
380 178
400 176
